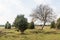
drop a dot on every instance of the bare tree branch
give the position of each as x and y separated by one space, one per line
44 13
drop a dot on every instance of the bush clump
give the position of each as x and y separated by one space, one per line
21 23
31 25
58 23
53 24
7 25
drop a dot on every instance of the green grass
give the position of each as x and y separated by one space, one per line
34 34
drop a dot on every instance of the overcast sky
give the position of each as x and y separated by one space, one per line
9 9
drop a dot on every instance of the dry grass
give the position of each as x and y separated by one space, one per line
34 34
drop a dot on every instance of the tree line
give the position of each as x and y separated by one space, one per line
20 23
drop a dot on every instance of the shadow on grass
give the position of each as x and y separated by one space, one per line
42 31
30 32
51 32
8 34
2 33
36 31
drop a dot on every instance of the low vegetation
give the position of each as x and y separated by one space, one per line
21 23
53 24
7 25
31 25
34 34
56 25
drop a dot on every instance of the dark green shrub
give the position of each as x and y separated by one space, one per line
58 23
21 23
53 24
31 25
7 25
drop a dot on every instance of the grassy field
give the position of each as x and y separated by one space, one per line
34 34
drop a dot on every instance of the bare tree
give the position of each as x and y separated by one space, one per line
44 13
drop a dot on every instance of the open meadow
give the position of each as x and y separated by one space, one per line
34 34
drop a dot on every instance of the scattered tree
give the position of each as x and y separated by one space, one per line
7 25
31 25
53 24
58 23
21 23
44 13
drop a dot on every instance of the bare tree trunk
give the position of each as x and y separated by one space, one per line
43 25
56 27
22 32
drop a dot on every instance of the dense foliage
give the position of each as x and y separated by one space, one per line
31 25
58 23
53 24
21 23
7 25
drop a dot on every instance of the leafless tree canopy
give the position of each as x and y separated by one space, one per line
43 13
